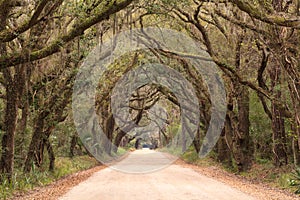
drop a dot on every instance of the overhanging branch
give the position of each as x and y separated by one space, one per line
77 30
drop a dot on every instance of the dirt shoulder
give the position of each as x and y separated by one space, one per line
259 190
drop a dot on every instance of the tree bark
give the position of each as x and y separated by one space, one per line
243 152
50 154
35 146
73 144
8 140
243 140
109 129
224 146
278 127
279 136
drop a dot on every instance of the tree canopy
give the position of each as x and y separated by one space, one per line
254 45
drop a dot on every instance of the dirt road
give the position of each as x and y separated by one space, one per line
172 182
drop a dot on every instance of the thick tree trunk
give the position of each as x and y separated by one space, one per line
109 129
237 129
243 140
10 120
7 157
39 141
279 136
224 146
278 128
14 90
36 145
50 113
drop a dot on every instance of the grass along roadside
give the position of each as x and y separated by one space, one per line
64 166
261 172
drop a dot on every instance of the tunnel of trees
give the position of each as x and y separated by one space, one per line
255 45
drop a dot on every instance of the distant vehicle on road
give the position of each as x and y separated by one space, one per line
147 146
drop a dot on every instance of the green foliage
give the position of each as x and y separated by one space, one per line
191 156
40 177
61 136
261 161
260 129
66 165
173 129
295 180
121 151
130 145
223 37
284 180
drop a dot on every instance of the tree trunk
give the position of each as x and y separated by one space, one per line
50 154
279 136
15 81
118 139
109 129
224 146
183 139
73 144
278 128
243 153
237 129
36 144
243 140
7 157
196 142
294 88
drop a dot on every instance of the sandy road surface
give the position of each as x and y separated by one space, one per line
173 182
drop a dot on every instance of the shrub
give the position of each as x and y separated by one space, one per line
295 180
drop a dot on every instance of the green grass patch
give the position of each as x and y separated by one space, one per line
40 177
262 171
66 166
191 156
121 151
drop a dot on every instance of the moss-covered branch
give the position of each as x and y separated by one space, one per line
276 18
77 30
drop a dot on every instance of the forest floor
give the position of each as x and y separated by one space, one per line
180 180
